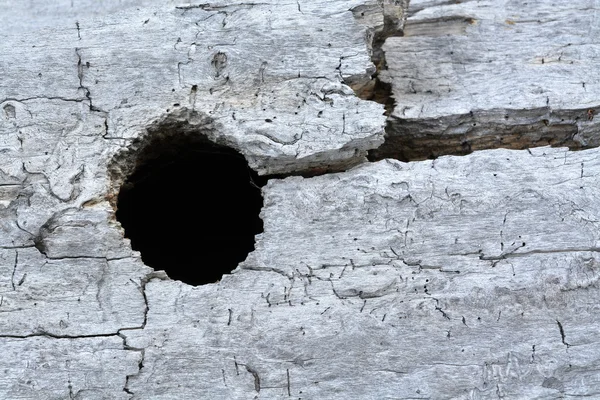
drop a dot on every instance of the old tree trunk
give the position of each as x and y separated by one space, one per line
421 239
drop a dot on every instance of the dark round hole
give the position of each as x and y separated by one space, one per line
191 209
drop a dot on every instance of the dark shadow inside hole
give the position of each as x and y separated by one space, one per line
191 209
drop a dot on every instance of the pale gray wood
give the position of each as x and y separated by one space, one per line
65 368
144 64
471 75
80 82
458 278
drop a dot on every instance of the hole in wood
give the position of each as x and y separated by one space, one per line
191 208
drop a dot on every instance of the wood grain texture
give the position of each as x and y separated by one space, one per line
459 278
270 75
472 75
469 277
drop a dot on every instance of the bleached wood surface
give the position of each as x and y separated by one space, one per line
472 75
267 75
459 278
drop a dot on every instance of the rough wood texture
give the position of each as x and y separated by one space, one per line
459 278
472 75
268 76
438 279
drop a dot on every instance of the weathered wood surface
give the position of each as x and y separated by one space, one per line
264 78
268 76
472 75
458 278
